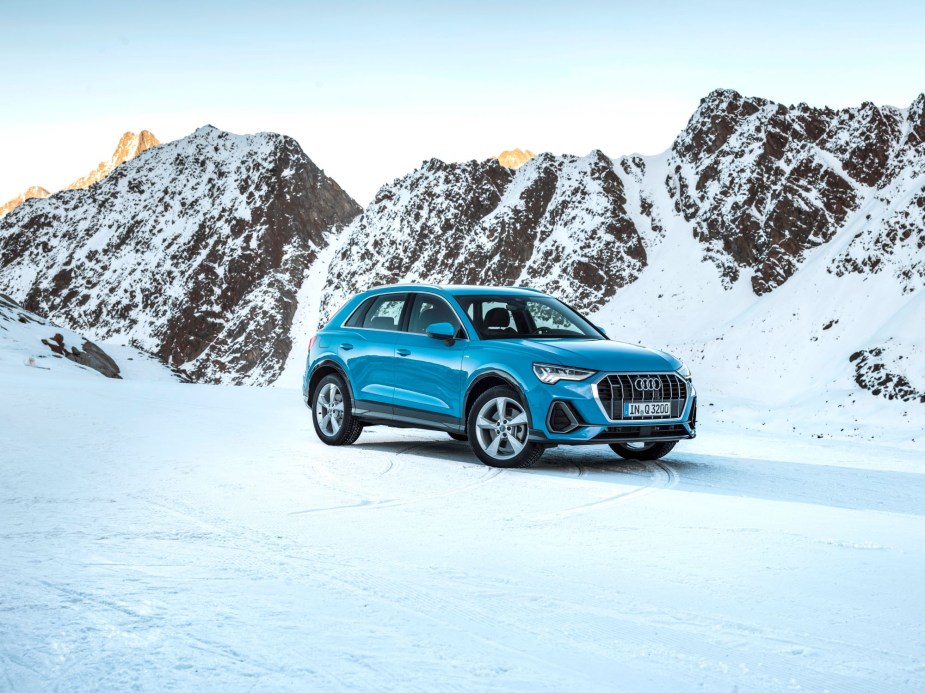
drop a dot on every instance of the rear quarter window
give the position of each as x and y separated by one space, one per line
356 318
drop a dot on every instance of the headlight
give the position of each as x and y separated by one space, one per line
550 374
684 372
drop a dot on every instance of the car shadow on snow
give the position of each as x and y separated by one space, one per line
798 482
816 484
571 462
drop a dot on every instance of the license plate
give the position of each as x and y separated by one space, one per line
634 409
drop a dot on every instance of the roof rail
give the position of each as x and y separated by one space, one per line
527 288
403 285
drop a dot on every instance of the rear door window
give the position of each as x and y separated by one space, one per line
385 312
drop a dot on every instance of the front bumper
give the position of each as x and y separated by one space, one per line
570 413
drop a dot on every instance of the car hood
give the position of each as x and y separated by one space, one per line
596 354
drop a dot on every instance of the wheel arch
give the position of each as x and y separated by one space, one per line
487 380
323 368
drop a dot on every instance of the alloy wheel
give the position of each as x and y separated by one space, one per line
329 410
501 428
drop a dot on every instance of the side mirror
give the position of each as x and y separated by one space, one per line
442 330
601 330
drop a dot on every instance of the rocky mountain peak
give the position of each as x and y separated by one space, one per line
130 145
514 158
916 120
29 193
763 183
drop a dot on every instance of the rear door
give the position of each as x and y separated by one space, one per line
428 372
368 349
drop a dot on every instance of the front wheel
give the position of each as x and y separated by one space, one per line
332 413
499 429
643 451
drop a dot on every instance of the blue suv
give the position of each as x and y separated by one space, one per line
512 371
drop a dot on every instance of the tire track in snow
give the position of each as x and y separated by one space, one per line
595 632
598 632
134 622
463 617
661 477
394 502
394 463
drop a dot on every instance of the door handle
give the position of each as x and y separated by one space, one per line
346 346
403 352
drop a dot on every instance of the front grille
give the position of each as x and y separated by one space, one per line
616 390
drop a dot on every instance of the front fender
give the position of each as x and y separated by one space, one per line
497 371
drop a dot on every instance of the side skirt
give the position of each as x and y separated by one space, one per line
406 417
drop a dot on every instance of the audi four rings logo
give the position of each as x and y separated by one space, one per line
647 384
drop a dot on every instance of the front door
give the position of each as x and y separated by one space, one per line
428 372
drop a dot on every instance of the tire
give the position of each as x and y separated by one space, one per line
644 451
332 412
461 437
497 441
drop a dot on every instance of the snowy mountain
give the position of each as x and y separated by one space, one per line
560 223
767 240
762 184
193 251
130 145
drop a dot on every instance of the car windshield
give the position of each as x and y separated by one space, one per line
525 317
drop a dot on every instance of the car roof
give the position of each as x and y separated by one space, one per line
462 289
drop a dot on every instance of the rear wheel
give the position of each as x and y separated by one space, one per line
643 451
499 430
332 413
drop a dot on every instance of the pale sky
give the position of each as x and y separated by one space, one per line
370 90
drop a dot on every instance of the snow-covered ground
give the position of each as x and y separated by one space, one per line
160 536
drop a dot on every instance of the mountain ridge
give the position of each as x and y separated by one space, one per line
710 247
130 145
756 193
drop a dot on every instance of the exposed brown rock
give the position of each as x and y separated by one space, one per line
89 355
764 183
873 372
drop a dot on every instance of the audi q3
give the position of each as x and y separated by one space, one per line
513 371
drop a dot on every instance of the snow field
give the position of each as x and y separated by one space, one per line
166 536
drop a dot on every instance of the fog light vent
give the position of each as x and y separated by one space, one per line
562 418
